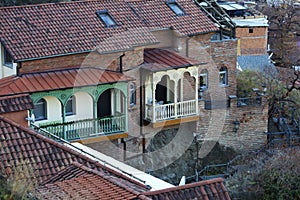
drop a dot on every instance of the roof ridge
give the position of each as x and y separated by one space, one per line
48 4
190 185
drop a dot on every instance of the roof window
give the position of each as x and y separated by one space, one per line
106 18
173 5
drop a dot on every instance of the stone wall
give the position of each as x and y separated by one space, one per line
218 125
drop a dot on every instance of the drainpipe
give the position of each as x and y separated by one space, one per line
121 63
187 46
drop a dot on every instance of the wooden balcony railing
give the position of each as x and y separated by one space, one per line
87 128
171 110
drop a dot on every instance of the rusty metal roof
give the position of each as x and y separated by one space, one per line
58 79
163 59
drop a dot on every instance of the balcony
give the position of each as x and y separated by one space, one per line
112 127
171 113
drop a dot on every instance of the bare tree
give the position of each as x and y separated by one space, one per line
284 24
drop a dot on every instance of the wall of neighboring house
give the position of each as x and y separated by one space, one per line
93 59
83 107
252 40
18 117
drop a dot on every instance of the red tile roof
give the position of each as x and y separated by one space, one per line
156 14
15 103
45 157
62 28
36 31
58 79
210 189
162 59
63 173
80 182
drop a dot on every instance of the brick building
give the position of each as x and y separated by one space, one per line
125 71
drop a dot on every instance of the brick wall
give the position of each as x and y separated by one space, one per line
254 43
93 59
18 117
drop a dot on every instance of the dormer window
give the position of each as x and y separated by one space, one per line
173 5
106 18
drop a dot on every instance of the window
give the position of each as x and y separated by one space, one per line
250 30
175 8
132 91
223 76
203 80
7 59
106 18
71 106
40 110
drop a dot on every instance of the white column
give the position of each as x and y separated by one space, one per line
153 87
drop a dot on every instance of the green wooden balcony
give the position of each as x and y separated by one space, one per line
82 129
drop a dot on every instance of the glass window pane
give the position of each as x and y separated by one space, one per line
176 9
70 106
40 110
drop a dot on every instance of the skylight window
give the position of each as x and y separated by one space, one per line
176 8
106 18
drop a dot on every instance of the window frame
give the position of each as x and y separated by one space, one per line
204 74
175 7
42 102
251 30
72 101
223 71
6 57
103 15
132 94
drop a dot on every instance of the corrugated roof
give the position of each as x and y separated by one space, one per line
58 79
53 29
15 103
162 59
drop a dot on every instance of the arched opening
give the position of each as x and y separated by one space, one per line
188 93
164 92
110 103
104 104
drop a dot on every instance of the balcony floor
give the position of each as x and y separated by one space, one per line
100 138
172 122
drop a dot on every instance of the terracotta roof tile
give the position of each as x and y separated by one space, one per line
44 156
59 79
52 29
156 14
210 189
15 103
80 181
163 59
36 31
